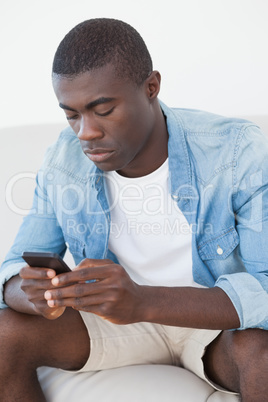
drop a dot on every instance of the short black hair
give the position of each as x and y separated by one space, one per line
96 42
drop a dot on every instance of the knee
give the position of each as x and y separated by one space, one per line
250 353
9 330
11 338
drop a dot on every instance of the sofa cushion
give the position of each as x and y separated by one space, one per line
158 383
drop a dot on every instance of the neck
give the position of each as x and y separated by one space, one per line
154 153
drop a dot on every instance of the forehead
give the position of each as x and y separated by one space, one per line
90 85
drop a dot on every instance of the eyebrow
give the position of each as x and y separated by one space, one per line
90 105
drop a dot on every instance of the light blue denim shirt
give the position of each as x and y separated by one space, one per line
218 171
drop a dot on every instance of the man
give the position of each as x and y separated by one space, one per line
164 211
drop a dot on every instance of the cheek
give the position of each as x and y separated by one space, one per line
75 125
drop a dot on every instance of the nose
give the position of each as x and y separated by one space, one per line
89 130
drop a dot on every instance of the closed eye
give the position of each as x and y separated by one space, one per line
105 113
72 117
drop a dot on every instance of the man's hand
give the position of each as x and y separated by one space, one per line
105 289
112 295
34 283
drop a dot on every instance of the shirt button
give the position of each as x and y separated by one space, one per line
219 250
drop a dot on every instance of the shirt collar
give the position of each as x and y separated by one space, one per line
179 163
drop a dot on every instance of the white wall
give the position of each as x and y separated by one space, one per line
212 54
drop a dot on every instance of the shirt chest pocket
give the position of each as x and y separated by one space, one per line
220 246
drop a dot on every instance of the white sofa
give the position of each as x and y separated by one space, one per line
21 153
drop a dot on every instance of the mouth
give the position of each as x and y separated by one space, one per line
98 155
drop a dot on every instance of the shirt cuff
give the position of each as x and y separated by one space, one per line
5 274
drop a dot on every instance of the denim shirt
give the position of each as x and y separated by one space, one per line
218 175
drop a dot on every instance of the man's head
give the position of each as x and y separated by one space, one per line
103 79
97 42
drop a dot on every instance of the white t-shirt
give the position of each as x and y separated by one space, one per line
149 234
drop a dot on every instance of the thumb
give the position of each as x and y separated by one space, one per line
91 263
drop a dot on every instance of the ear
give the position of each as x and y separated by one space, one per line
152 84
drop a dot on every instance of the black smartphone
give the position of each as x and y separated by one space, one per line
46 260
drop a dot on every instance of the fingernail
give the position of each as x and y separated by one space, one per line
50 274
50 303
55 281
47 295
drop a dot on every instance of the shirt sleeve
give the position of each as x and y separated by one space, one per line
248 290
39 232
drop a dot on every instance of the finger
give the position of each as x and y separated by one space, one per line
78 303
36 284
28 272
53 314
85 274
43 309
91 263
74 291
